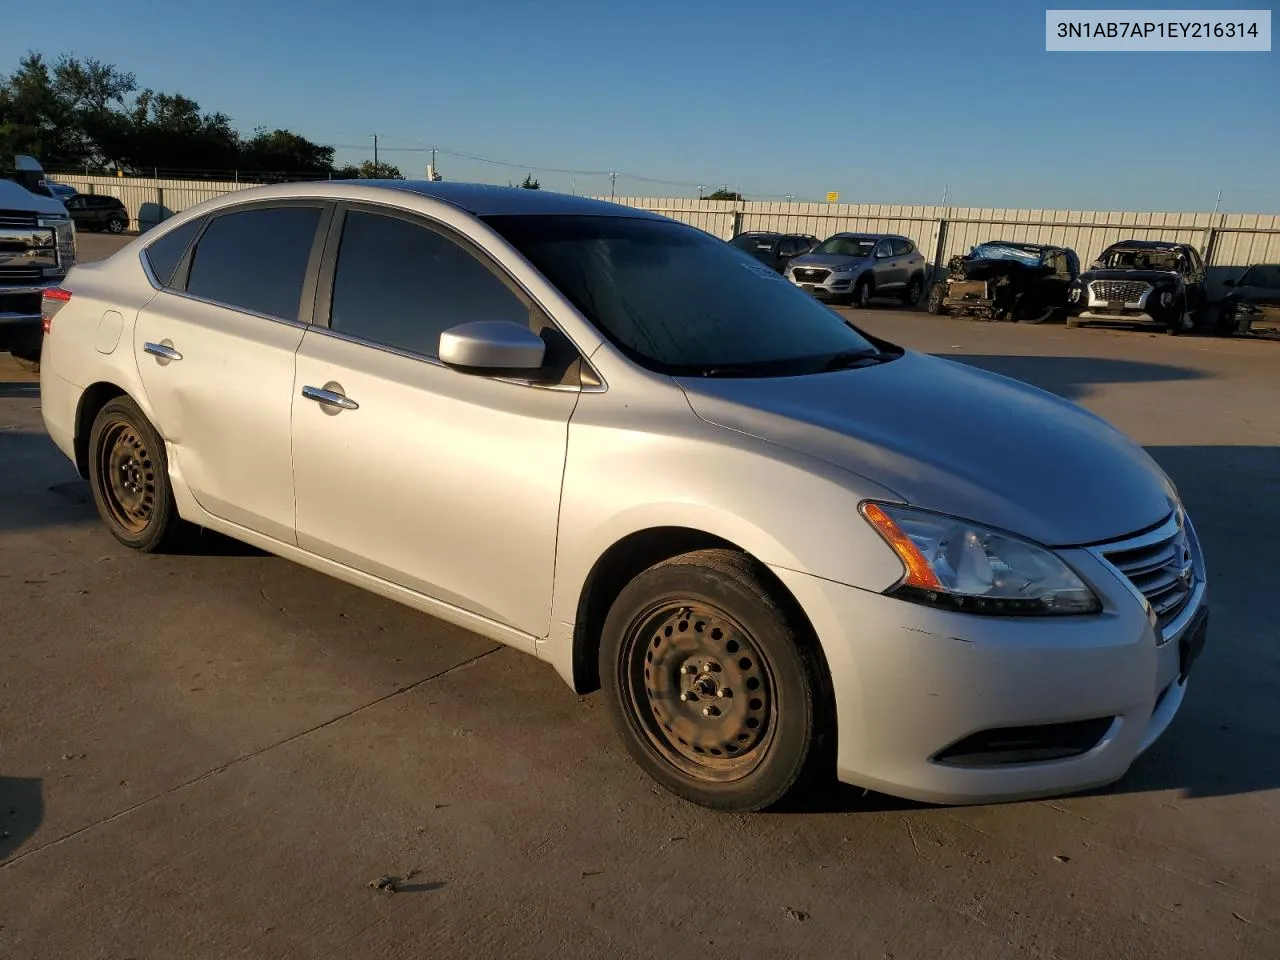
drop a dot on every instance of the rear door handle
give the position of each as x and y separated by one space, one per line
162 350
329 398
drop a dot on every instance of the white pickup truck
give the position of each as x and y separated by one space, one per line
37 248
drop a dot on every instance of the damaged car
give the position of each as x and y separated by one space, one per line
1252 304
1143 282
1010 282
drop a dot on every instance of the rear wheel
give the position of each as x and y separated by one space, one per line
129 476
116 225
911 296
712 688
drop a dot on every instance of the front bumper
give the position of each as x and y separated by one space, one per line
912 681
834 287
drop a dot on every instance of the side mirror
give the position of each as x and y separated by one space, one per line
1228 283
492 346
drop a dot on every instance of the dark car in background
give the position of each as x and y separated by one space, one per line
1252 303
1007 281
93 212
854 267
1146 282
774 249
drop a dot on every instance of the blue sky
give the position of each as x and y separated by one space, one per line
884 102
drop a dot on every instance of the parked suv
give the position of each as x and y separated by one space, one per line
93 212
1001 280
854 267
785 548
1148 282
37 247
775 249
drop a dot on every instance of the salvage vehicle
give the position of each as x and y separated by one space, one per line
785 548
1252 303
1007 281
1144 282
854 267
775 249
37 247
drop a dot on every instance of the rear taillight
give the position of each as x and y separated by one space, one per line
53 300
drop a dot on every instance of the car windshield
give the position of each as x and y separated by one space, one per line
679 301
1140 258
1001 251
1265 275
760 246
843 245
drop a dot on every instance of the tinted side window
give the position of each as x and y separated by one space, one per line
165 254
255 259
402 285
884 249
901 248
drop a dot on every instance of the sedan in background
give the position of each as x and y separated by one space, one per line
93 212
774 249
785 548
854 267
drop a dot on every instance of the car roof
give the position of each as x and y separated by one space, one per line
868 236
1149 245
485 200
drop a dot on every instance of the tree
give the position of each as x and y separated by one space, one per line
724 195
530 183
368 170
283 151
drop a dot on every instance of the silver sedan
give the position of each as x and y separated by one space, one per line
785 549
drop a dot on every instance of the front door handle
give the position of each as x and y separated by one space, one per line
162 350
329 398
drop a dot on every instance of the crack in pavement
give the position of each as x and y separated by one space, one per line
13 861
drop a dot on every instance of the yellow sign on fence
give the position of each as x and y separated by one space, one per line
833 197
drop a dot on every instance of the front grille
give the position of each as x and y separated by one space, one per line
1124 291
1160 565
809 275
17 218
1034 744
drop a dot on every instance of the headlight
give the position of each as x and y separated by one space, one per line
1074 295
1166 298
51 219
965 566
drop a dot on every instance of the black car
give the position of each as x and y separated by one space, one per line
1147 282
1007 281
1252 303
774 249
93 212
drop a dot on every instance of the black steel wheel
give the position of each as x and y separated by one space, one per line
713 688
128 473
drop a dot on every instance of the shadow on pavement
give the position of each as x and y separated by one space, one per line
1073 377
21 810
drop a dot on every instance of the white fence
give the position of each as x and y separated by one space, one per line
1229 242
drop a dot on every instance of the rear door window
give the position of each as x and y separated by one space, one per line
165 254
256 259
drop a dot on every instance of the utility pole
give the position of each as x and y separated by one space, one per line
613 183
945 186
699 191
375 153
1217 203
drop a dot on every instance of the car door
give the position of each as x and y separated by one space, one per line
215 349
443 482
887 267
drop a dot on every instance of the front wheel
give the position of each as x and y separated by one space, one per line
862 293
129 476
712 687
937 298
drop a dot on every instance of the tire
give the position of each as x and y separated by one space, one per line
861 294
31 366
1227 322
116 225
911 296
129 476
937 299
711 686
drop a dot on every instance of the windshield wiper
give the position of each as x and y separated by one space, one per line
847 359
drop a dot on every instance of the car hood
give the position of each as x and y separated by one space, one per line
826 260
1147 276
14 196
948 437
